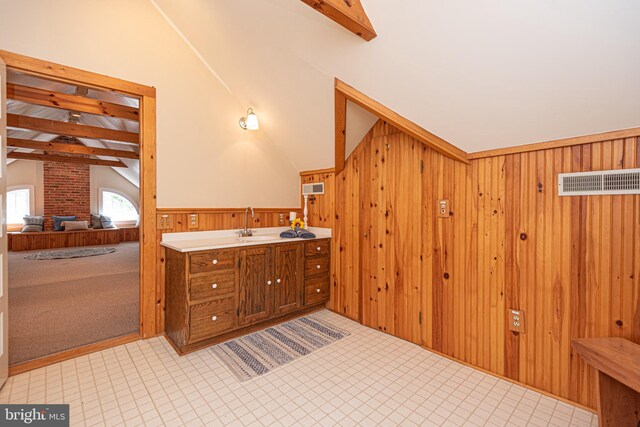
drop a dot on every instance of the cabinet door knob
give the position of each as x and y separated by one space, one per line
278 281
268 282
319 248
214 286
318 290
215 261
214 318
318 266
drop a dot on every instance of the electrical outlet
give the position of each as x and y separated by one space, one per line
193 221
443 208
516 320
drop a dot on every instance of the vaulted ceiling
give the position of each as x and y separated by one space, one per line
25 109
481 75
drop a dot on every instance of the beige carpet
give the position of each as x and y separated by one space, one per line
56 305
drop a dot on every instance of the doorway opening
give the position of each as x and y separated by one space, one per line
81 274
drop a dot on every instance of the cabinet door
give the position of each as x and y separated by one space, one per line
255 291
288 286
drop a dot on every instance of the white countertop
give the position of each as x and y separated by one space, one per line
220 239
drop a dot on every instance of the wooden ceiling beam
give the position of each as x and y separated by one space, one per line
70 129
58 147
348 13
403 124
65 159
65 101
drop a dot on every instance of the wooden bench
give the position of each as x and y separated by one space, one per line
618 363
19 241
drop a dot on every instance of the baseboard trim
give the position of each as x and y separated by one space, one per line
40 362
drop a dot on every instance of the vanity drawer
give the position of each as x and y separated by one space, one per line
211 318
212 285
316 290
316 266
317 247
206 261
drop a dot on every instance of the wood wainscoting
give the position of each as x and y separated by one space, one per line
572 264
173 220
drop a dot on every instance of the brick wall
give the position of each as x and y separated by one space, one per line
67 191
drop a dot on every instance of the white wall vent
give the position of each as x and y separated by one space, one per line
313 188
601 183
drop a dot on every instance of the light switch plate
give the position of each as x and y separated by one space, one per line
164 222
516 320
192 221
443 208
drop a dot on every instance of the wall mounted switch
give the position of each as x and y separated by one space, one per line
443 208
516 320
164 222
193 221
281 219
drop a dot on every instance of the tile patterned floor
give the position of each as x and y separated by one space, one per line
368 378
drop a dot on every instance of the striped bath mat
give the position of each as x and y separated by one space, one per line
258 353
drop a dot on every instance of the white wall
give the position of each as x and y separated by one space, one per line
481 74
204 158
105 177
26 172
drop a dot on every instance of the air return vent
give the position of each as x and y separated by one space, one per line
623 181
313 188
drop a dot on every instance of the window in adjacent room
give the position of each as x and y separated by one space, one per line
118 206
19 204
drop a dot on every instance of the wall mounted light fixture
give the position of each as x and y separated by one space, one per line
250 122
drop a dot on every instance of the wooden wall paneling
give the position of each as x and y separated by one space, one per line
570 263
321 209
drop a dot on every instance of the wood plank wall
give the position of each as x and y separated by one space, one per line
572 264
178 220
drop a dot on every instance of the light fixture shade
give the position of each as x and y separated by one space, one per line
250 122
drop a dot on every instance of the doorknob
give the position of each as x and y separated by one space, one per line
268 282
278 281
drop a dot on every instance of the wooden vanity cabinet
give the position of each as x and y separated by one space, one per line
211 294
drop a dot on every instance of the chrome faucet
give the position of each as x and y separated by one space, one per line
245 232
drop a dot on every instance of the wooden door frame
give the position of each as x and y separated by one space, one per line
147 96
343 93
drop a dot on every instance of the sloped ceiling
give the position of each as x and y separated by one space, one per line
131 173
482 75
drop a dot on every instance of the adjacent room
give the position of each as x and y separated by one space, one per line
72 216
320 212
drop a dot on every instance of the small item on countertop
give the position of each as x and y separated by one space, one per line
288 234
297 223
304 234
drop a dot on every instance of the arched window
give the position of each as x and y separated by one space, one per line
118 206
19 204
